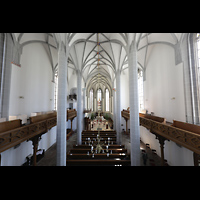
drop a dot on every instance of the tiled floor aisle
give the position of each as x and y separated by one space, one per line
50 155
152 160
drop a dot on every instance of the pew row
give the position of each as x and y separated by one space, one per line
98 156
92 162
86 154
111 146
77 150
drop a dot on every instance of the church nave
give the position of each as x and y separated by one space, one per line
142 87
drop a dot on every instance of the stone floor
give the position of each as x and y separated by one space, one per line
50 155
152 158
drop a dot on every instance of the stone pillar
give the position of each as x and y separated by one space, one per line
134 106
114 109
79 108
5 74
84 96
118 107
95 103
88 104
61 106
110 104
84 107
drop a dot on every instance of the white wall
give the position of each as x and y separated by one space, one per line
72 83
33 81
164 82
125 89
124 95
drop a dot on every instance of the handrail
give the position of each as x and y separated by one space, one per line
16 136
182 137
71 114
157 125
125 114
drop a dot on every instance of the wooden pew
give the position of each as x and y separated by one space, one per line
102 131
115 155
120 150
186 126
105 137
98 156
100 162
39 118
95 135
95 142
9 125
113 141
155 118
112 146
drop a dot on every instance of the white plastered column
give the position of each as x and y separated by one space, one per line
134 106
79 108
61 106
118 106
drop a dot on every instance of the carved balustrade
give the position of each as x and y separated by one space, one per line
182 137
71 114
125 114
14 137
39 125
158 126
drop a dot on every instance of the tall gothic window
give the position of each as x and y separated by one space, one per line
140 91
91 99
107 100
99 96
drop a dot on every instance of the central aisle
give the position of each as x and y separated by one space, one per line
98 148
50 155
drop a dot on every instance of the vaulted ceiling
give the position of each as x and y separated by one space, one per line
98 54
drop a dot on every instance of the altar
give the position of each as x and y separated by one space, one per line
100 123
99 118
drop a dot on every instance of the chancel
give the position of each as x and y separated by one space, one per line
99 99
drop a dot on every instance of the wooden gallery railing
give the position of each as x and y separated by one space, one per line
71 114
184 134
13 133
126 115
